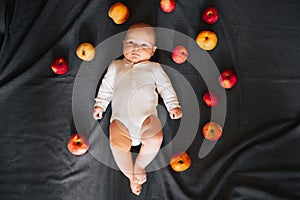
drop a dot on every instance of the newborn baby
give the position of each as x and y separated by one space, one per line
131 85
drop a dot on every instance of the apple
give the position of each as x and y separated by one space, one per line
212 131
210 15
167 5
228 78
211 99
119 13
78 144
86 51
179 54
60 66
180 161
207 40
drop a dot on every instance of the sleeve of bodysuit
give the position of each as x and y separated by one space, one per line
106 88
165 88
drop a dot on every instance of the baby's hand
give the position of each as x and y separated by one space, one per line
98 111
175 113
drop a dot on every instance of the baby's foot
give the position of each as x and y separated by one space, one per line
139 175
135 188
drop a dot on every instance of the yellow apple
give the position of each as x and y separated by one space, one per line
180 161
119 13
86 51
207 40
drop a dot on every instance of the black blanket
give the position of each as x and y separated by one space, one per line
257 155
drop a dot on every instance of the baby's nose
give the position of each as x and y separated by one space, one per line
136 46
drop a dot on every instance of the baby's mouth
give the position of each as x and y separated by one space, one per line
135 54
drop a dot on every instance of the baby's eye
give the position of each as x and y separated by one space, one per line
144 45
130 42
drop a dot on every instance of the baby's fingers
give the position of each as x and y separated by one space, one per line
97 115
175 115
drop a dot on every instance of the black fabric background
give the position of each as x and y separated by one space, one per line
258 155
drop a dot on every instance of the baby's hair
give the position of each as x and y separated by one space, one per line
140 25
144 25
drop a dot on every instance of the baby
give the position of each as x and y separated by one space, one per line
131 85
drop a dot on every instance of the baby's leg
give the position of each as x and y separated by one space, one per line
120 144
151 139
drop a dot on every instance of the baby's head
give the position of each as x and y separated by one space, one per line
139 43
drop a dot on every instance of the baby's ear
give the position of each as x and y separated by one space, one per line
154 49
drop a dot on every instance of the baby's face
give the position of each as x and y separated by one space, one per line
139 44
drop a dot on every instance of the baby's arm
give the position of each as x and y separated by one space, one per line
105 93
167 92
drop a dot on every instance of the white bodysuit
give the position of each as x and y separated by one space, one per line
131 88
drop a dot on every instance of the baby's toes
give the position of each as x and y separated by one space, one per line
139 179
136 188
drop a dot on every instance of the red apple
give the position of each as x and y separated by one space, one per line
60 66
167 5
180 161
228 78
78 144
212 131
207 40
210 15
211 99
179 54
